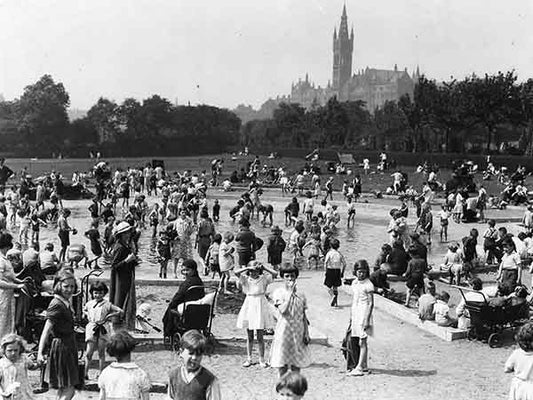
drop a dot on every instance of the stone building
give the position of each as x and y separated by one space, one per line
371 85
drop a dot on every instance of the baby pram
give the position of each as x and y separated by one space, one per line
489 321
197 314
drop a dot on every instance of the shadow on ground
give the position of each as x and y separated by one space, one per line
404 372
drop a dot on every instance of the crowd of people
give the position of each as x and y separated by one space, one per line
183 222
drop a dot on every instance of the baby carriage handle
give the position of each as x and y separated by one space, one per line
476 291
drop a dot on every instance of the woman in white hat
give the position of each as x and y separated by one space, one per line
122 285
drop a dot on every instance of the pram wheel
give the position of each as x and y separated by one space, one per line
494 340
471 334
175 341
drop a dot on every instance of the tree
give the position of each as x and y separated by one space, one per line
130 118
41 113
359 121
491 101
104 117
450 115
391 125
82 131
526 114
156 116
289 119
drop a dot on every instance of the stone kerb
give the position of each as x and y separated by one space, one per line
407 315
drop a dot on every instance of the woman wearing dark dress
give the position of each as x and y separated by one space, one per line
122 284
62 371
190 270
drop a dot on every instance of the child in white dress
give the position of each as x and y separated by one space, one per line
520 363
14 366
361 323
255 312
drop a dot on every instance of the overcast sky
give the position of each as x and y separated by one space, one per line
227 52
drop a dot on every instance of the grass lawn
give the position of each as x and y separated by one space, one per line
371 182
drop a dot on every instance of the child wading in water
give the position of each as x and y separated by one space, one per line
99 312
163 252
315 249
255 313
14 366
335 265
444 217
153 217
351 211
123 379
520 363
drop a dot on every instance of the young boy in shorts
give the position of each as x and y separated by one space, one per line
191 380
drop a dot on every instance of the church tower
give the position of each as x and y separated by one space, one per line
342 53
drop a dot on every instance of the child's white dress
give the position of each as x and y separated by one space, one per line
362 298
255 311
14 382
125 381
521 363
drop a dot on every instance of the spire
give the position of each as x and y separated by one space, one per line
335 33
418 71
306 77
351 33
343 29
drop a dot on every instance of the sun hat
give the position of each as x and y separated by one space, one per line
122 227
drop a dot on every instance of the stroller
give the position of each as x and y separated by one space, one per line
488 322
196 314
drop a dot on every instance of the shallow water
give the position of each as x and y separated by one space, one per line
363 240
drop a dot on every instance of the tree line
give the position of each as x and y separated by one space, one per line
476 114
37 124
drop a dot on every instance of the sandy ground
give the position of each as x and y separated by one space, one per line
406 362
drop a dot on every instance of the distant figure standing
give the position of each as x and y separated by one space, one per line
5 174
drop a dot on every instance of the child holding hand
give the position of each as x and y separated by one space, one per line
14 366
255 313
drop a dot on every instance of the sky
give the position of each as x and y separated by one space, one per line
230 52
